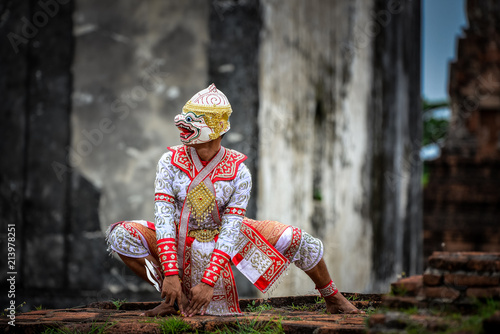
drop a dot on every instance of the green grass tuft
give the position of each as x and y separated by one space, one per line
319 300
473 323
118 302
258 308
172 325
272 326
304 307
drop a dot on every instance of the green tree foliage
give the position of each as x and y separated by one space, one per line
435 129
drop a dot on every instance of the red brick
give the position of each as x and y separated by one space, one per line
398 302
409 286
448 261
376 319
483 292
432 279
71 317
441 292
471 280
484 265
469 261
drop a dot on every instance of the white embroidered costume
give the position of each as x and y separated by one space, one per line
200 226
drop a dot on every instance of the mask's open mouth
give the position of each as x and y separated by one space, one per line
186 132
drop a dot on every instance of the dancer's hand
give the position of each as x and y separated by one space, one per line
201 296
171 290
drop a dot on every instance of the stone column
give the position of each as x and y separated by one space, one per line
36 55
339 124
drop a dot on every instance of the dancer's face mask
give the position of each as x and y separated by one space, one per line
205 117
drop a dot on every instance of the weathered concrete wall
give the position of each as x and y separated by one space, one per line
327 119
135 66
35 84
233 66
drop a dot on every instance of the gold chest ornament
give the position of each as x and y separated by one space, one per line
201 201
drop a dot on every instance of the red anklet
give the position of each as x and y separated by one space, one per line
328 290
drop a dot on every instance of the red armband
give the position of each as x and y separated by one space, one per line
162 197
167 252
218 261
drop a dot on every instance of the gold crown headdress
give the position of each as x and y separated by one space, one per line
215 107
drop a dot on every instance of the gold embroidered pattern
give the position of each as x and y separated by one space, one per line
201 201
203 235
216 117
225 171
260 262
270 230
294 244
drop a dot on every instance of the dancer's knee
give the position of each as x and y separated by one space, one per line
309 253
122 240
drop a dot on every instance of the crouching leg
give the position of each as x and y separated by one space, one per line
131 242
308 256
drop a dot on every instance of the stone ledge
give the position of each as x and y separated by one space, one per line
471 280
408 286
467 261
128 320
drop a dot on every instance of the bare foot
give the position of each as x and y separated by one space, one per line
161 310
338 304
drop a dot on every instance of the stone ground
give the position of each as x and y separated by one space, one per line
300 314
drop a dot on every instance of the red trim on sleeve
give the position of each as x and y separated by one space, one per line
235 211
167 252
162 197
218 261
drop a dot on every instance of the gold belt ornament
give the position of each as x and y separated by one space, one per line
204 235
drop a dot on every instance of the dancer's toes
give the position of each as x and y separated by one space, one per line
338 304
161 310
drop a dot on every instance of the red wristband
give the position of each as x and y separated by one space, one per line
218 261
167 252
